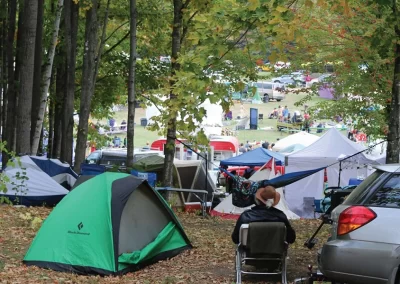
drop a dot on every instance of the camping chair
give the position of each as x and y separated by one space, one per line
261 116
263 245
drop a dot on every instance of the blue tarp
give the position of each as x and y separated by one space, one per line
290 178
241 192
256 157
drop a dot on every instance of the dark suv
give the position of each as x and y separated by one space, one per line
117 157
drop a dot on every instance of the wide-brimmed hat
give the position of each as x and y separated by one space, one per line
265 193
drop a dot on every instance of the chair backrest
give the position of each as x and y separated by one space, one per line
317 205
266 238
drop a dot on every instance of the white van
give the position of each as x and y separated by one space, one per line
270 90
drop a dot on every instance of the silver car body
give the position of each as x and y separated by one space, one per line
371 253
284 79
271 90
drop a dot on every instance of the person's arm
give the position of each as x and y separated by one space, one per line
235 233
290 233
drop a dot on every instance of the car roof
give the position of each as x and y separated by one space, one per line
390 168
122 152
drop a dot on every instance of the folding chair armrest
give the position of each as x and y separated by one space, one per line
244 229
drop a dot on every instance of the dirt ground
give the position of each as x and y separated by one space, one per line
210 261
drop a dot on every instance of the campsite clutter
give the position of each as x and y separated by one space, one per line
300 166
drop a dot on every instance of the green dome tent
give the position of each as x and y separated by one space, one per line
111 224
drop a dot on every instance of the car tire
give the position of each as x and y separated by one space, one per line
278 100
277 81
266 98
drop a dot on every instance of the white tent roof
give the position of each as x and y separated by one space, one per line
328 149
35 182
302 138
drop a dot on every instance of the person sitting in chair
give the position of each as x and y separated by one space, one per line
264 211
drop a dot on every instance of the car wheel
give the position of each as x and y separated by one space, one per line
266 98
277 81
278 100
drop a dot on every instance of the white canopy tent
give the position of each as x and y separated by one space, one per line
326 151
211 123
302 138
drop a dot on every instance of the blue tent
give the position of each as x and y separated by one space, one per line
256 157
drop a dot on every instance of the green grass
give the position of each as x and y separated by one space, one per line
143 135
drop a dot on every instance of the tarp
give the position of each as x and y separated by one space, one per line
38 181
256 157
328 150
227 210
256 98
300 138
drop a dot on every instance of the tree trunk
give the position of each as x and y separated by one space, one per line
131 85
26 77
71 30
3 68
9 128
58 107
171 126
51 118
88 70
46 81
37 75
393 147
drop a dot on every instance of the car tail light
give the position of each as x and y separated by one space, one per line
353 218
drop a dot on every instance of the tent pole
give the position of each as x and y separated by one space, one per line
340 171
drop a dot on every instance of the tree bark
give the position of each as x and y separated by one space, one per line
131 85
3 68
88 83
51 117
26 77
71 30
9 128
38 122
171 125
58 107
37 75
393 146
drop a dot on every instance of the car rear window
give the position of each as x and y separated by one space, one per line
361 191
388 195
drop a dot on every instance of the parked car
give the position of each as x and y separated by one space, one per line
117 157
365 243
321 79
270 90
295 78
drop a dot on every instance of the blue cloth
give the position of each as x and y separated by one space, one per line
91 169
256 157
285 112
354 181
150 177
52 168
